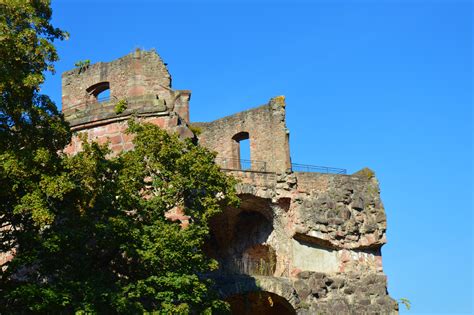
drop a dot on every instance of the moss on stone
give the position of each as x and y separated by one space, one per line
120 107
365 173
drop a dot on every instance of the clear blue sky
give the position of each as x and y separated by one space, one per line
384 84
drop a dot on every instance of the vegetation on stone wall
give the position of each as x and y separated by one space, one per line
196 130
82 64
405 302
120 106
90 233
366 173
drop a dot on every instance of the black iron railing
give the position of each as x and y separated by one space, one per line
261 166
317 169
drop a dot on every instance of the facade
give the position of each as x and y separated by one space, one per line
300 243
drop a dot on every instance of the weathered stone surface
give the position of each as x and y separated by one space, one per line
319 295
267 133
308 242
142 81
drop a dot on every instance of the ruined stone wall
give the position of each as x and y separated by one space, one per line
135 74
324 233
140 82
115 133
268 136
338 226
311 293
308 243
140 78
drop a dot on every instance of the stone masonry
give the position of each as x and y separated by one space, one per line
299 243
140 81
266 130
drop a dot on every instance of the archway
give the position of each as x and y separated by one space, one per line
99 92
261 303
239 238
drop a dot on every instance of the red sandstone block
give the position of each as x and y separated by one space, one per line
184 224
173 121
136 91
113 128
117 148
159 121
128 146
101 140
378 262
137 66
99 131
70 149
127 137
115 139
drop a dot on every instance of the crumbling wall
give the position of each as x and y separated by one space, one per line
268 135
308 242
312 293
140 78
326 233
115 133
135 74
140 86
338 226
344 211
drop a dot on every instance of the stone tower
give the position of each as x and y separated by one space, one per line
305 239
140 81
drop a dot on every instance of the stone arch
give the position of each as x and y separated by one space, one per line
260 302
94 91
239 238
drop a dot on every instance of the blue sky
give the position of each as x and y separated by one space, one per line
383 84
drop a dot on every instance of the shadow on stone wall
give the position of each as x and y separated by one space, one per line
238 238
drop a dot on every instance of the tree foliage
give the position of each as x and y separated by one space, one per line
32 131
28 120
118 252
90 231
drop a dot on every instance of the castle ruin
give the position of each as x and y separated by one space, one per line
305 240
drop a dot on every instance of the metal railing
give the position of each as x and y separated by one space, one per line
261 166
317 169
241 164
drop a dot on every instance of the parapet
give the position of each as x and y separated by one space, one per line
138 85
140 81
264 126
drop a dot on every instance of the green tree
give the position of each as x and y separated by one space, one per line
164 173
32 131
28 120
90 232
118 253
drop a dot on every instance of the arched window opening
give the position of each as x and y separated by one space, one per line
100 91
242 151
103 96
